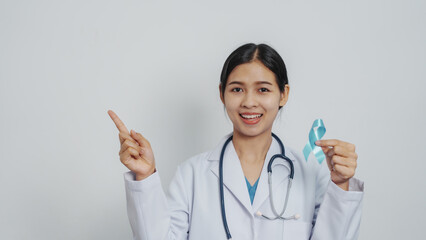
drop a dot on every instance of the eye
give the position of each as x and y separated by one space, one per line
237 89
263 90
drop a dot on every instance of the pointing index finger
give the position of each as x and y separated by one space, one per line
118 123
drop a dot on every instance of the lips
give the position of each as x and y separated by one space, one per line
251 118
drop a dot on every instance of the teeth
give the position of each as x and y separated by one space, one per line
251 116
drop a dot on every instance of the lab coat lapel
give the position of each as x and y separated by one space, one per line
233 176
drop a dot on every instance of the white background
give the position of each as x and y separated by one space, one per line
358 65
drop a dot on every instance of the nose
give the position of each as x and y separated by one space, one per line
249 100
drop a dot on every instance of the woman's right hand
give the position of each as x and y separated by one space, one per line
135 153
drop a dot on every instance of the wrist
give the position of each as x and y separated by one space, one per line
344 185
140 177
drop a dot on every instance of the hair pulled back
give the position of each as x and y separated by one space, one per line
250 52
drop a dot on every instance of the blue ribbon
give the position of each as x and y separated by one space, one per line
316 133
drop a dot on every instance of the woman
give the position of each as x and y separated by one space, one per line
325 203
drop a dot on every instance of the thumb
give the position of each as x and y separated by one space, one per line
328 159
139 138
325 149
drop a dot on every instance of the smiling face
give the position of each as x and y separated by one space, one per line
252 98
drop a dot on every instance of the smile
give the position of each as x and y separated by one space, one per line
251 118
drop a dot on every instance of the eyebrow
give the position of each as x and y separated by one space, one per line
258 82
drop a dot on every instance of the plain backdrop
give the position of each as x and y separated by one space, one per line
358 65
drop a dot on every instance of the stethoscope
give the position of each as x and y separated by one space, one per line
290 179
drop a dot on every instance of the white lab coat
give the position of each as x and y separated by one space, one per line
191 209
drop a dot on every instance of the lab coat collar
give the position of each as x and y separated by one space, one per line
233 176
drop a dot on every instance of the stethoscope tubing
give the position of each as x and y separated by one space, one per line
222 199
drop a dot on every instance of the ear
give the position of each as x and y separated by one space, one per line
220 93
284 95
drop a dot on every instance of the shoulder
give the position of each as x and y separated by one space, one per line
197 164
196 160
205 159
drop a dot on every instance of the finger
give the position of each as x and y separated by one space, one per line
350 147
140 139
125 158
326 149
123 136
335 142
344 171
329 164
127 143
133 152
347 162
128 155
118 123
339 150
327 142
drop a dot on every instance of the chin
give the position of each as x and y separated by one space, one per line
251 132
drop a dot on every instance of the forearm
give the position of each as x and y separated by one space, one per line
339 214
147 207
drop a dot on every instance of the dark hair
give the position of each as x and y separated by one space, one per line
250 52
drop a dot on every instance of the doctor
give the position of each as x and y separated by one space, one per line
324 203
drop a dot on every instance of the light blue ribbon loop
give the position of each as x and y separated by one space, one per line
316 133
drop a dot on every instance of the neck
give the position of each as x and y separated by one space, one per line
252 149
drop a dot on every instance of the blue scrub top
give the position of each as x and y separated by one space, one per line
252 189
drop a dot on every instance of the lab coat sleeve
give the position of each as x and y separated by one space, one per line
151 214
337 212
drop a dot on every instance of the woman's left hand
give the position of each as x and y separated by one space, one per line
341 160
